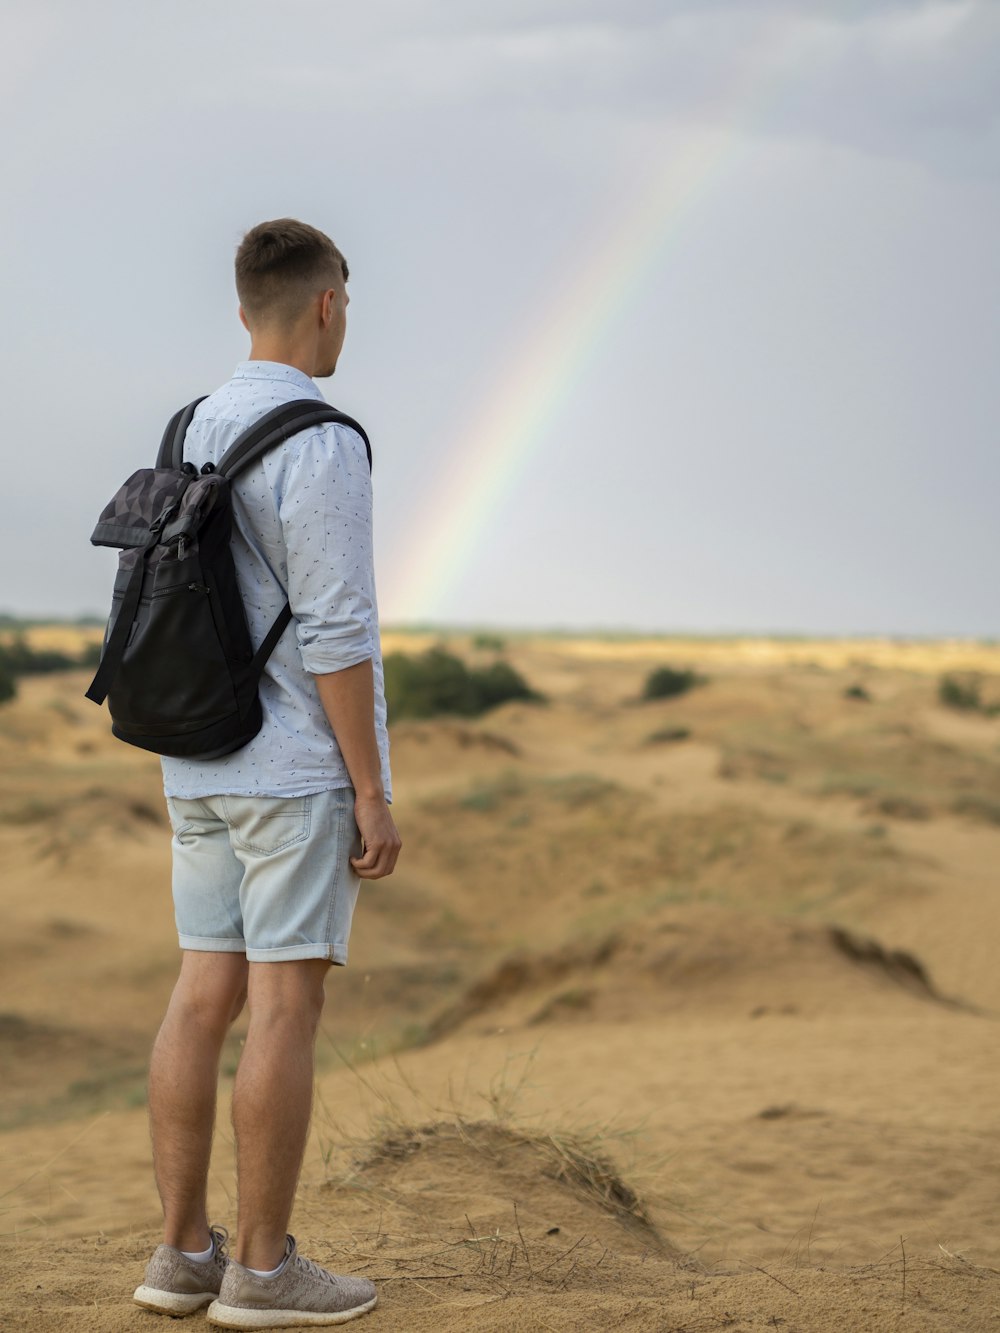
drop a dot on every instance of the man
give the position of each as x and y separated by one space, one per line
271 842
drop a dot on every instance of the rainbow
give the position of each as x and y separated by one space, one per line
484 461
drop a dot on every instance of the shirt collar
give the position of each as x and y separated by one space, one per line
276 370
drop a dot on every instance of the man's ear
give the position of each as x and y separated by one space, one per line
243 319
328 307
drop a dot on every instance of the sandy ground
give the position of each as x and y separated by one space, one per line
675 1016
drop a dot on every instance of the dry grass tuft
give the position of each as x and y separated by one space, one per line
571 1158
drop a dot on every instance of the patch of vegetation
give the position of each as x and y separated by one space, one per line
111 1088
490 643
22 660
899 807
31 811
17 658
666 735
964 695
982 808
576 998
666 682
857 692
487 796
64 710
573 1158
9 621
437 682
954 693
576 789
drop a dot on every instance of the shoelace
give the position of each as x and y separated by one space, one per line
314 1270
220 1237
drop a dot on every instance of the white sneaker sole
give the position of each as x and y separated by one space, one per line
231 1316
173 1303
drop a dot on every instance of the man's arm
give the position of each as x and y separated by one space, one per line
348 698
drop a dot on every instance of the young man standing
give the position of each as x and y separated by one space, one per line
271 842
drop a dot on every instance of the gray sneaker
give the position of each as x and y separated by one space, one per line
174 1285
302 1295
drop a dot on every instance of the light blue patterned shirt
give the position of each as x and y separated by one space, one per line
302 528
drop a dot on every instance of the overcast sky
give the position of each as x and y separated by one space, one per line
663 315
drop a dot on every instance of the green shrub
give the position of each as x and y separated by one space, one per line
667 734
984 808
857 692
21 660
954 693
496 684
438 682
665 682
491 643
17 658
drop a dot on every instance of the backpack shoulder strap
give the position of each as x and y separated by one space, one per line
272 429
277 426
171 452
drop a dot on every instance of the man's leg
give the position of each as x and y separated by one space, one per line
183 1078
272 1102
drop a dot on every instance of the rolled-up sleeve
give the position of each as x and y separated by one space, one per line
325 509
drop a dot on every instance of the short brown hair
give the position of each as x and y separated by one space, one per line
281 265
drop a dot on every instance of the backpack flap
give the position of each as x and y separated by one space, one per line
202 495
150 497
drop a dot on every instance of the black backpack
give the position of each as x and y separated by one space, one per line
178 668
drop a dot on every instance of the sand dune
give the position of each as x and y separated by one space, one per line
675 1015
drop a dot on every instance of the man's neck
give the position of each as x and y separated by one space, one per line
284 353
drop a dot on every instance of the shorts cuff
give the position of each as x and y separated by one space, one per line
334 953
207 944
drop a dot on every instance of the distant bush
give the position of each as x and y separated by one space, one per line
665 682
18 659
954 693
438 682
21 660
984 808
667 735
899 807
857 692
491 643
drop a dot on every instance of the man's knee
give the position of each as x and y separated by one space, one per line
287 994
211 991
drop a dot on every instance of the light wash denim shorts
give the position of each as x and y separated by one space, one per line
267 876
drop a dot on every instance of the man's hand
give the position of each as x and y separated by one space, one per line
380 838
348 698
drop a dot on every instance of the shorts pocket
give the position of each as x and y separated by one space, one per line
267 824
180 820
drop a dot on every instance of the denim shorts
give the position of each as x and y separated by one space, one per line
267 876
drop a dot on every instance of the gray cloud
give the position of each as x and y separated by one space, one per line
913 81
904 79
